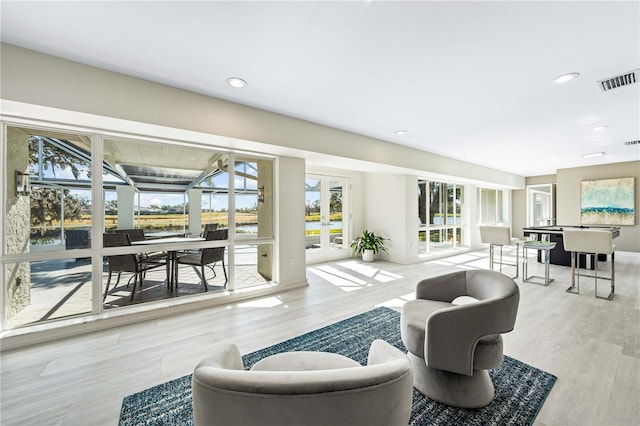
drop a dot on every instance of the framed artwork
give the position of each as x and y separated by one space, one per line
607 201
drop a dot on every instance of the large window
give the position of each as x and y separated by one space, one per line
69 195
490 206
440 216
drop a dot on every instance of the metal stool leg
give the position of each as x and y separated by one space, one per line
574 289
491 256
612 278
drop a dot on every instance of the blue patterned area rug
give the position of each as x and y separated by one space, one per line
520 388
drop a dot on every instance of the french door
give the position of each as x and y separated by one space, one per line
327 218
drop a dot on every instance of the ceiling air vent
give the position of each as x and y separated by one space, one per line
621 80
631 143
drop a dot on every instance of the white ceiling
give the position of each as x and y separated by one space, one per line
469 80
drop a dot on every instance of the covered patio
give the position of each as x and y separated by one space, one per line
155 188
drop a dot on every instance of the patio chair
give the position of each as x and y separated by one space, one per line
125 262
137 234
208 257
209 227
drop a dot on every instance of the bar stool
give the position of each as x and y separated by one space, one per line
500 236
589 242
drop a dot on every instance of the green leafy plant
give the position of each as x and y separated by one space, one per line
368 241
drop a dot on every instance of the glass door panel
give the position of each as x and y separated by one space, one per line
335 222
326 233
313 223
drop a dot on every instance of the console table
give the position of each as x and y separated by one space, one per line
541 246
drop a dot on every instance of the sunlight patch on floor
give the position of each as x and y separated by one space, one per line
254 288
386 276
370 271
342 274
266 302
397 302
338 278
467 261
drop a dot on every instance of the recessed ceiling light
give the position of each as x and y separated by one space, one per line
593 154
236 82
565 77
555 160
400 132
600 128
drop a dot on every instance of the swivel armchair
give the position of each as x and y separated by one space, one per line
452 333
301 388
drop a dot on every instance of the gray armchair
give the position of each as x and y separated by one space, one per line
301 388
452 333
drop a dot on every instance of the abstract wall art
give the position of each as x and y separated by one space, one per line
607 201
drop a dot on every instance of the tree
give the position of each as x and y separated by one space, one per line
335 203
111 207
53 157
46 206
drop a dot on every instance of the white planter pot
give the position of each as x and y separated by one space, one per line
367 256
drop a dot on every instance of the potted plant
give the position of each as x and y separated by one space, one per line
368 244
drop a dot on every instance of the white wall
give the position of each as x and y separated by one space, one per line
291 226
391 210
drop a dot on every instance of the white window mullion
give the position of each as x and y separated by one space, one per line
231 267
97 222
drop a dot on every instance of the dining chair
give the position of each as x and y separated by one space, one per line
137 234
125 263
209 227
589 242
208 257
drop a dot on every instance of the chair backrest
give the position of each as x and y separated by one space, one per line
588 241
135 234
120 262
116 240
452 332
215 254
209 227
378 394
500 235
77 238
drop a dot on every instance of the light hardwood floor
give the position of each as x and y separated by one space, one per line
591 345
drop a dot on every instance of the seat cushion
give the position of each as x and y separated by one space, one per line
464 300
190 259
304 361
413 322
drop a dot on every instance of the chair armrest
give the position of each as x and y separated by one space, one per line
381 352
452 333
225 356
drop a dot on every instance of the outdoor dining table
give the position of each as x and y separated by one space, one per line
172 255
